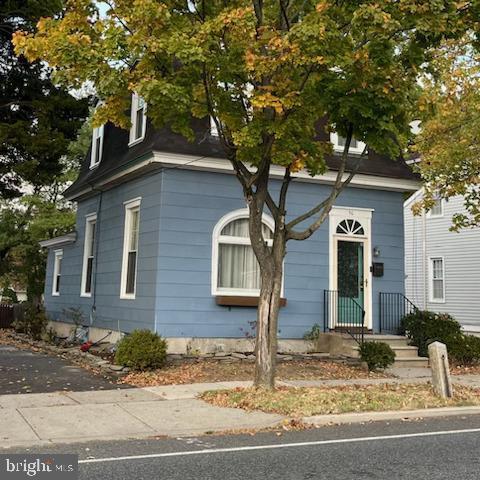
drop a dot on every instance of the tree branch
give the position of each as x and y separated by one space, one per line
324 207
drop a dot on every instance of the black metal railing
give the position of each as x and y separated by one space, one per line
393 307
344 314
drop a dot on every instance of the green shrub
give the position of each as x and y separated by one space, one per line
464 349
424 327
141 350
377 355
32 320
314 333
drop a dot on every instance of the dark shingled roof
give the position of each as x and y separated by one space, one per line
117 155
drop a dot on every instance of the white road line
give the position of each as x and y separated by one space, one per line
280 445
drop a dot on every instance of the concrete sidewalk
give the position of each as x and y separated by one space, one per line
67 417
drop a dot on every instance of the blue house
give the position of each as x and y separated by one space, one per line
161 241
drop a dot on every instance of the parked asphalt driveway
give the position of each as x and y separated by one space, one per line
22 371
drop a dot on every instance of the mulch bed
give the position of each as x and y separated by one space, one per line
211 370
464 369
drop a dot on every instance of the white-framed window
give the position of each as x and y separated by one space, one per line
130 249
437 208
97 146
88 255
57 272
213 128
437 280
339 144
138 119
235 269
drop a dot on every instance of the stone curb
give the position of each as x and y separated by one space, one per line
363 417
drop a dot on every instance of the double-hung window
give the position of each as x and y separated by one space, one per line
88 255
339 144
437 280
130 249
235 269
57 272
437 208
97 146
138 119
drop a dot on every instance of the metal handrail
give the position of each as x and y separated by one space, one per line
393 307
333 309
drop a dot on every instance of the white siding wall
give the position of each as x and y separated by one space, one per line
461 253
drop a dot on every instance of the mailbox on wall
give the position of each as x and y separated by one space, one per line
377 269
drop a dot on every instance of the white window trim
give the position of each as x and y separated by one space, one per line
133 120
216 240
437 215
129 205
339 148
430 279
58 257
97 133
89 219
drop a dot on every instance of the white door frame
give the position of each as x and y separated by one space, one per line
364 217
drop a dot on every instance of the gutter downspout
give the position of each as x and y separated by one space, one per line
424 256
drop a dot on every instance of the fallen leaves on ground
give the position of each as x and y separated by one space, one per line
465 369
211 370
8 337
299 402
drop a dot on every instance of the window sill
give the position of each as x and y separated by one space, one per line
127 296
241 301
86 295
136 141
55 294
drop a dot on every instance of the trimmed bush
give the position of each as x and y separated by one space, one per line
141 350
424 327
377 355
464 349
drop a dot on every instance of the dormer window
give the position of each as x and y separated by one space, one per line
213 128
97 146
339 144
138 119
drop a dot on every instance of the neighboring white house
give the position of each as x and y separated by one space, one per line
442 268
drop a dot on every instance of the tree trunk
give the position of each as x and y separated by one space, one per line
267 320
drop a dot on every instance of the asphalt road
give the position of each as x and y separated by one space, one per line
441 448
22 371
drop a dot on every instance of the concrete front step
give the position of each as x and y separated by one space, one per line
412 362
400 351
392 340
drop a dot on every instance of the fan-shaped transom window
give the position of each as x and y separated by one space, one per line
235 267
350 227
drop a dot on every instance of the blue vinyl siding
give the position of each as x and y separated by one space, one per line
110 311
193 202
178 213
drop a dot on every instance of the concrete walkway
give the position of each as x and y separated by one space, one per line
67 417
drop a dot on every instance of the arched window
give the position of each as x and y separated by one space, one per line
350 227
235 270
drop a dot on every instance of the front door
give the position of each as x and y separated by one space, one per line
350 282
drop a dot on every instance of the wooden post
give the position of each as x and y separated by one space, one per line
442 384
